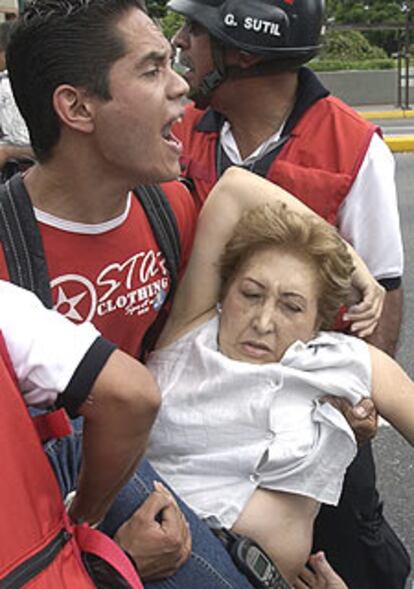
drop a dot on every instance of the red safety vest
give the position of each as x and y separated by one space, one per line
39 547
318 163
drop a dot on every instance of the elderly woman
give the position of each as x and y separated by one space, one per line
242 435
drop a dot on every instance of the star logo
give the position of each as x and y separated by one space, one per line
67 305
75 297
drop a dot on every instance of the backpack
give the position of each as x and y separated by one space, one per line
40 547
25 256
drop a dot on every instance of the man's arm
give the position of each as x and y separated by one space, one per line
9 151
385 336
57 361
119 412
369 220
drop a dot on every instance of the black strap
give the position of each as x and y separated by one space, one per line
25 256
164 227
22 243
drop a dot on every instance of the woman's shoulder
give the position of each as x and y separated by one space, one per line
339 361
327 346
169 364
177 352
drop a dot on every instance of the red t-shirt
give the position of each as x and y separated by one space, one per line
113 274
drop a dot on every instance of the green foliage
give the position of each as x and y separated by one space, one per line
171 23
349 46
350 50
157 8
369 13
332 65
365 11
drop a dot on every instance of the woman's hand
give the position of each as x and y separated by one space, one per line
364 316
319 575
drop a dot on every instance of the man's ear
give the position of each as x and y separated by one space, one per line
241 58
74 108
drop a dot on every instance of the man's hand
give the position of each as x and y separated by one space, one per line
319 575
362 418
157 536
368 296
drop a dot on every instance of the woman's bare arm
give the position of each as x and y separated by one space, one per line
393 393
237 191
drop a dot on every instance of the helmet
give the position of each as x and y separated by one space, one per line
281 30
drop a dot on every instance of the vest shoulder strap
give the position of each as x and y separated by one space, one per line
22 243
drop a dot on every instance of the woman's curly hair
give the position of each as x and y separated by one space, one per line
277 226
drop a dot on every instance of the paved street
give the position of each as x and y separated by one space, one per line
395 458
397 127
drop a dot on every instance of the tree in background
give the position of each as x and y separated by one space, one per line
157 8
170 21
365 11
371 12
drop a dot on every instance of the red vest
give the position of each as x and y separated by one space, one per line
318 163
39 547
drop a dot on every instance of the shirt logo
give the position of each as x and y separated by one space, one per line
133 287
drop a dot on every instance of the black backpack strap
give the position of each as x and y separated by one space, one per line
164 226
21 240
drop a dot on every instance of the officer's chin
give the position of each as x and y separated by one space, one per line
200 100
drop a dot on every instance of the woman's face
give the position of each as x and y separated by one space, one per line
271 303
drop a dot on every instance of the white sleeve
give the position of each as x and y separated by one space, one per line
44 347
11 121
369 218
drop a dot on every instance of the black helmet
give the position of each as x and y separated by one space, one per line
281 30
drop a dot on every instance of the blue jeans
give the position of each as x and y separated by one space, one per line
209 566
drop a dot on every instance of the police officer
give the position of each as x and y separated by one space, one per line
257 106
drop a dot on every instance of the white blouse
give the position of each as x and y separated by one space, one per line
227 427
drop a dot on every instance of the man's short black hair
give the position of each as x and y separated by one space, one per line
58 42
5 29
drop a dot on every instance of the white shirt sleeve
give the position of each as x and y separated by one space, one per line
44 347
11 121
369 218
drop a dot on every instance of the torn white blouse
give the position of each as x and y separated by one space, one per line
227 427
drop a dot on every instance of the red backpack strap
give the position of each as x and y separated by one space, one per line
97 543
53 424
